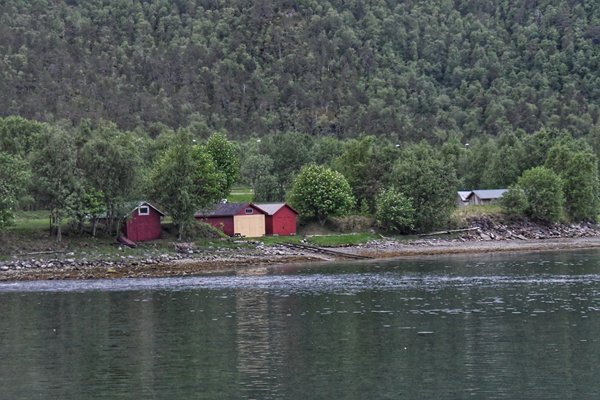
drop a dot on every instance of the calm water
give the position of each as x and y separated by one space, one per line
489 327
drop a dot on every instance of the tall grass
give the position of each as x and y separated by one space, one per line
476 211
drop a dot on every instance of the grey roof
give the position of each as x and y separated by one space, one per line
464 194
272 208
135 205
131 206
224 210
489 194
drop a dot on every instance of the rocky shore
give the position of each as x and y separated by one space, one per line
185 261
484 235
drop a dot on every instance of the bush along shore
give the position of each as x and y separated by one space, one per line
485 234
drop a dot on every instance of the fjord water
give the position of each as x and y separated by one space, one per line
520 326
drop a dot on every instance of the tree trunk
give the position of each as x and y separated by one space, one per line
180 232
94 225
58 228
118 225
111 220
81 225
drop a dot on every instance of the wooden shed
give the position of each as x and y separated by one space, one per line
280 218
462 197
142 223
488 196
235 219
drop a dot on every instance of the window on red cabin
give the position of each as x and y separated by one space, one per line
249 210
144 210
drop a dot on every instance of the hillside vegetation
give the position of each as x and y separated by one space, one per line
379 109
403 69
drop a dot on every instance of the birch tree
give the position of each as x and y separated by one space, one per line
184 180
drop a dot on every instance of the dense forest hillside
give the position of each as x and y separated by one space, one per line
403 69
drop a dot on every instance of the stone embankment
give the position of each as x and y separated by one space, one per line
60 262
82 265
484 235
496 229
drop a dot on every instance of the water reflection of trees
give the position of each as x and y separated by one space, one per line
263 343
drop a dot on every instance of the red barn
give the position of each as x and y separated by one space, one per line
235 219
142 223
280 219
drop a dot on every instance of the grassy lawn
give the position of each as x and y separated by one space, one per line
31 236
332 240
341 240
272 240
241 195
31 221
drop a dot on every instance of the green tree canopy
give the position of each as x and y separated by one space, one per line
110 161
225 155
366 163
319 192
19 136
574 161
185 180
289 151
544 192
14 181
56 177
514 202
394 211
403 70
422 175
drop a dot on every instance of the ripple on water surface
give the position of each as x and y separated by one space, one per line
499 327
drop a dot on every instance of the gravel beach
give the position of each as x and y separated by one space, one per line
225 261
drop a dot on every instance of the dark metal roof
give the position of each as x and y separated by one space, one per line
225 210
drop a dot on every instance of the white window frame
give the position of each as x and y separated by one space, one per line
249 209
147 212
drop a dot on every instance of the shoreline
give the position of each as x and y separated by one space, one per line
238 262
444 247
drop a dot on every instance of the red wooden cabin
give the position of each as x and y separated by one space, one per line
142 223
280 219
235 219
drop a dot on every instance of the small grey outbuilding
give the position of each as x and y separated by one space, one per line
488 196
462 197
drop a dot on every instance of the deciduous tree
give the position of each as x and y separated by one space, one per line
514 202
394 211
184 180
225 155
110 161
366 162
14 181
56 177
544 191
289 152
319 192
431 184
19 136
575 163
